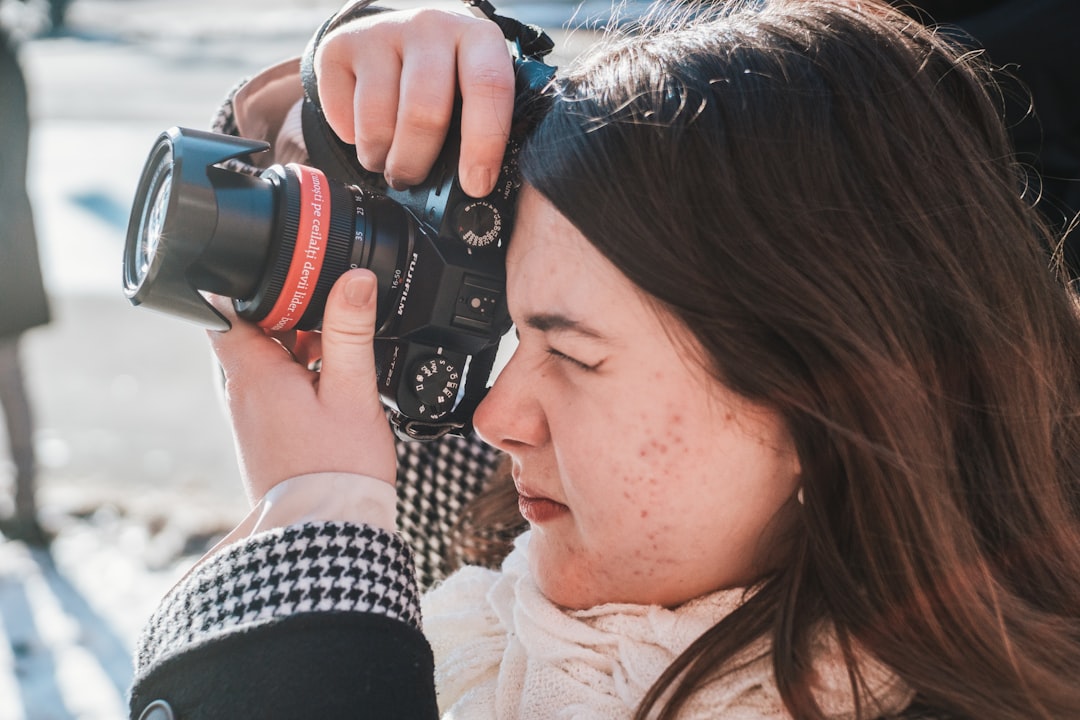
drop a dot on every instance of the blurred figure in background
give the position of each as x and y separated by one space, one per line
23 303
54 11
1035 40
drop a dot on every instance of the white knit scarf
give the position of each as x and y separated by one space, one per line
502 650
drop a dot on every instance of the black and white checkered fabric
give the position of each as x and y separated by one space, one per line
436 480
317 567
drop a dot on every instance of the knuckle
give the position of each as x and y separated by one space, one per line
486 32
240 387
491 79
434 20
425 119
372 142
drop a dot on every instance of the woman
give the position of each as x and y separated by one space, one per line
792 415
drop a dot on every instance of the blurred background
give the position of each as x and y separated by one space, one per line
136 475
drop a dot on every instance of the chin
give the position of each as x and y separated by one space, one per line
565 596
567 592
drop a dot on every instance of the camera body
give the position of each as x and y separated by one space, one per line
276 242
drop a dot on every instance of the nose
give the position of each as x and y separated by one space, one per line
511 417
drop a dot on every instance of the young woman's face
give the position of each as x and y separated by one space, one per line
644 480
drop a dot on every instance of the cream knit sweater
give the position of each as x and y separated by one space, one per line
502 650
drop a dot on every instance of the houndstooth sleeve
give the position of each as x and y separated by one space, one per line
315 567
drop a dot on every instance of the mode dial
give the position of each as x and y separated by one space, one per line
436 383
478 224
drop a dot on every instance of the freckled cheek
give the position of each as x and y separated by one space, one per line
665 450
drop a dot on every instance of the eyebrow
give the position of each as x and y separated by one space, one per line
554 322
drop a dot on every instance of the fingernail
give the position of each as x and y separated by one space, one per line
360 290
480 181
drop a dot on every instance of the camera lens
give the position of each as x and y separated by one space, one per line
322 229
140 254
150 239
274 243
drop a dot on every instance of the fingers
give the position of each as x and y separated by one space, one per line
388 82
486 77
289 421
425 107
348 331
372 122
348 386
246 349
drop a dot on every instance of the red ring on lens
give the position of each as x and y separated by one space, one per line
308 253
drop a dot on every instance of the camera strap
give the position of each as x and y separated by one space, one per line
531 39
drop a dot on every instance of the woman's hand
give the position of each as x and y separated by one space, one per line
290 421
387 84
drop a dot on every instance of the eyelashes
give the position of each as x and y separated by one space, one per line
563 357
560 356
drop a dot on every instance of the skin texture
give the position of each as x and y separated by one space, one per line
645 480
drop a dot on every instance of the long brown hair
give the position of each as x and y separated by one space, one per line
823 193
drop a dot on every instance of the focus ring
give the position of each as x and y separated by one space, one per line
339 241
262 302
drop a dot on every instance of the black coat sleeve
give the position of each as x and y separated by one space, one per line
324 665
316 620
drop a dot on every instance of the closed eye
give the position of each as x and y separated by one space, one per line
566 358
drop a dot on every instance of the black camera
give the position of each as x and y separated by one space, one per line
276 242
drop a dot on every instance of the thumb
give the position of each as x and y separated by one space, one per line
347 378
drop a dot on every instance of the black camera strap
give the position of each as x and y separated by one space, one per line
531 39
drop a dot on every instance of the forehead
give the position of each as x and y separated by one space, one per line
552 270
541 233
550 266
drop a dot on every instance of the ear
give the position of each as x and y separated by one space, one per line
796 475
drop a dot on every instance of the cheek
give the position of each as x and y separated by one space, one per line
669 447
665 443
651 463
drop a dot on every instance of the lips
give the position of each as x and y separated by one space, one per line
536 508
540 510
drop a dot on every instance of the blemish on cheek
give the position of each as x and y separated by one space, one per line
644 514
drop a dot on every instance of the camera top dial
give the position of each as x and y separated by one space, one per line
478 223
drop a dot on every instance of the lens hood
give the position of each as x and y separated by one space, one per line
173 249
